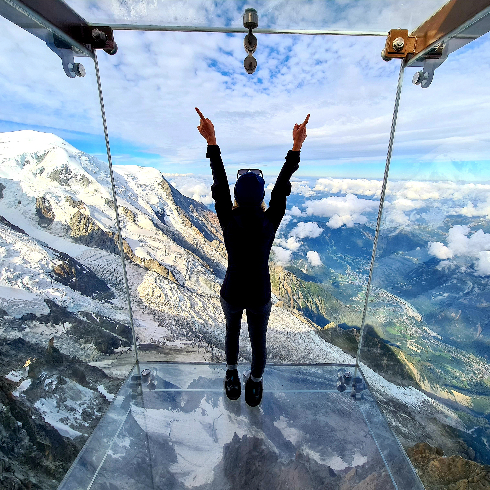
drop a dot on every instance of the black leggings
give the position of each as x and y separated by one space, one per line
258 319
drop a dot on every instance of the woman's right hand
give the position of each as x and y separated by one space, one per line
206 129
299 134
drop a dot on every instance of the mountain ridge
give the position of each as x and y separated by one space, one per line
57 224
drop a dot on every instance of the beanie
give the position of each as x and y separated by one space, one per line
249 189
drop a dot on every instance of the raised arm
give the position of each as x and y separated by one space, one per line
282 188
220 189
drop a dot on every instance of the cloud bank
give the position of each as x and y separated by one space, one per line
306 230
348 210
313 258
459 244
280 255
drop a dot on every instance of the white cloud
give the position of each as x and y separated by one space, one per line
481 209
362 187
291 243
302 188
483 264
407 204
295 211
281 256
306 230
440 250
346 210
313 258
459 244
198 188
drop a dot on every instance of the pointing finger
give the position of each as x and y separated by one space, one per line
200 113
306 120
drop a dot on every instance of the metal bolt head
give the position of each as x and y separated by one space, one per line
419 77
250 64
398 44
250 19
383 55
98 35
79 69
75 70
110 47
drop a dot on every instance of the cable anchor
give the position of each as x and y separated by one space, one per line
250 22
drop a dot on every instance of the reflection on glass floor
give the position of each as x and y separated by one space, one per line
177 430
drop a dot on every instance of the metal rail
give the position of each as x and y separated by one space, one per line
238 30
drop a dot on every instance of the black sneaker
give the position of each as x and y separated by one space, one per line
253 392
233 388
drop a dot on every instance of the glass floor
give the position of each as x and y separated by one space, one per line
172 427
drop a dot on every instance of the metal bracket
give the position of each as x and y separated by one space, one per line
345 380
434 59
398 44
62 29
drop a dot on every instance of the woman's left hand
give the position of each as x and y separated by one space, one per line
206 129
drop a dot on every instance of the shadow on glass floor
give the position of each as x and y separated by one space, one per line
172 427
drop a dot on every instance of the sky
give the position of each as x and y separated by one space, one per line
153 83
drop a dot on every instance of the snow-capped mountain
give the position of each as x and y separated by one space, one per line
59 226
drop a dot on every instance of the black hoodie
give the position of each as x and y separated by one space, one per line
249 232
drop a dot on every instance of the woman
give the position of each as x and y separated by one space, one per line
249 232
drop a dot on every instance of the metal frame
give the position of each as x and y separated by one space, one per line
238 30
428 40
55 22
451 19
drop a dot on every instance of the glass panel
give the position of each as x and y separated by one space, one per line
65 340
173 240
178 430
429 305
351 15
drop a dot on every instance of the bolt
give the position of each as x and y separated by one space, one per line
110 47
398 44
98 35
76 69
383 55
419 77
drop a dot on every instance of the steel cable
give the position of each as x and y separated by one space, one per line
114 198
380 210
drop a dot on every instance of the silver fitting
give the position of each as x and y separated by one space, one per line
398 44
250 64
250 19
423 78
76 69
383 55
250 43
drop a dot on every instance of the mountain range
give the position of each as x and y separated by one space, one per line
65 329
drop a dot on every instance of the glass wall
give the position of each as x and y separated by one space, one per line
429 306
323 247
65 336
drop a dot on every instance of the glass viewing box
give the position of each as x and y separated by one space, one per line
111 330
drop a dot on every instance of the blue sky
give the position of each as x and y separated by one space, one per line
153 83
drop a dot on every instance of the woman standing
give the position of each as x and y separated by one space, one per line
248 231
